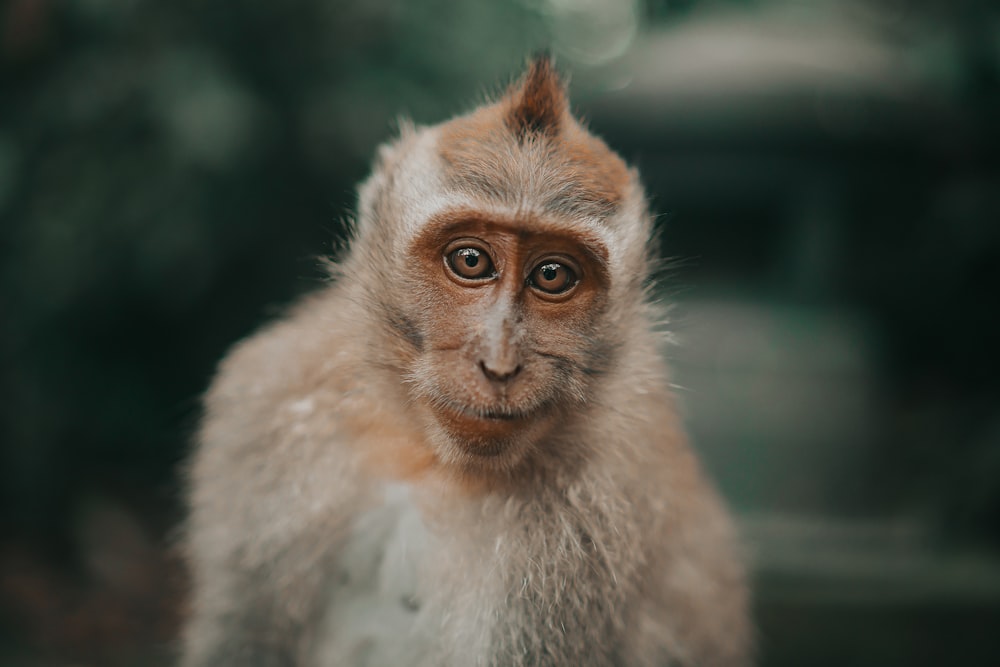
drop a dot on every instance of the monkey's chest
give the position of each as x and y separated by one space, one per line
373 604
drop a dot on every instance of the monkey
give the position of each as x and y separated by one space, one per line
463 449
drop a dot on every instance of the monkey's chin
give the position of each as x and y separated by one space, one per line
493 440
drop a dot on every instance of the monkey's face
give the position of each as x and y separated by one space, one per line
502 317
497 234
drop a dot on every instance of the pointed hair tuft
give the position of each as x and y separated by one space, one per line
538 103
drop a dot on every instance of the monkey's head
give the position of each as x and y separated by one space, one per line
503 255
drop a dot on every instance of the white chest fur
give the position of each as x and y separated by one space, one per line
371 618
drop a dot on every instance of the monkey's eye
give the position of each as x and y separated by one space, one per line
471 263
553 278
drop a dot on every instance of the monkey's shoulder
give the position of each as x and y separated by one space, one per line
292 387
284 355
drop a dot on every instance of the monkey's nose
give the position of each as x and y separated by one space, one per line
499 372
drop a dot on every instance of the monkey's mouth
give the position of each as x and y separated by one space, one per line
492 432
490 414
503 416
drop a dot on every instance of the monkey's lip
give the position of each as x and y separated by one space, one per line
456 411
489 414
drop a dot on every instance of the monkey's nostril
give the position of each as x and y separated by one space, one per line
499 374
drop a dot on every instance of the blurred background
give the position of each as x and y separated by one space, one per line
827 179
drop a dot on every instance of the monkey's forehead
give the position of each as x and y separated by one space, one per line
563 169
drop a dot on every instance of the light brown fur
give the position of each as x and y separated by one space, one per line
491 153
522 446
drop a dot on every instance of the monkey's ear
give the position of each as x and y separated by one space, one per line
538 101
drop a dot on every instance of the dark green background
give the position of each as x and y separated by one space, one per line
827 176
